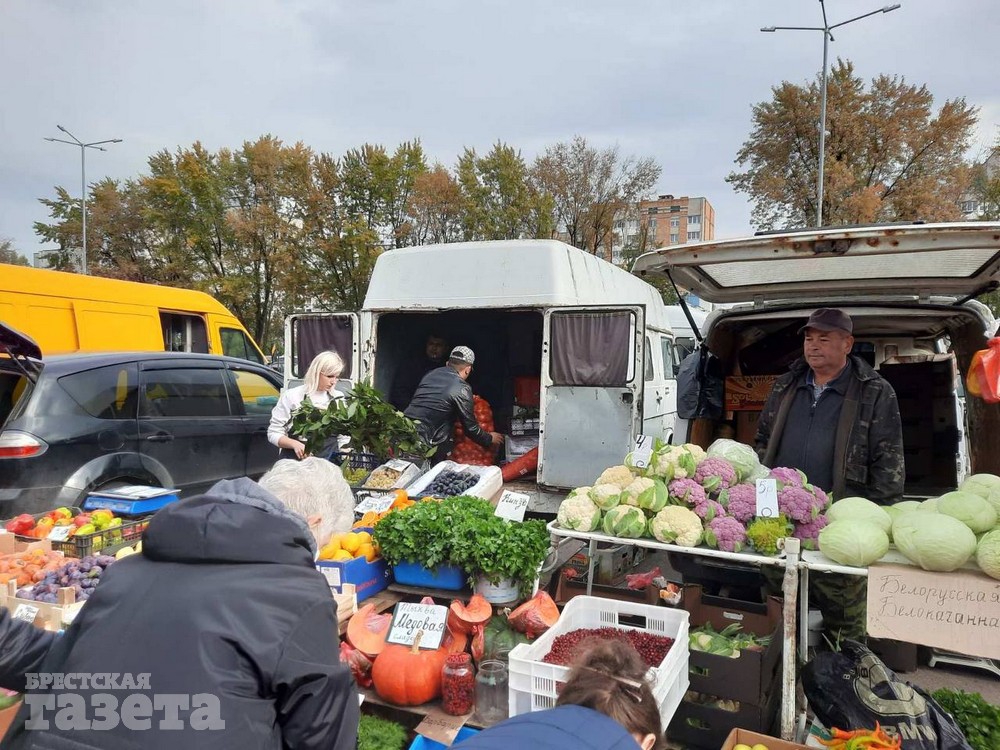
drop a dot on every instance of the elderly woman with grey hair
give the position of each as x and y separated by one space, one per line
223 608
318 386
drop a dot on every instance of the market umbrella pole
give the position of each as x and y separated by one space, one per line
790 589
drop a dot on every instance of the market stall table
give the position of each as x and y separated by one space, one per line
789 561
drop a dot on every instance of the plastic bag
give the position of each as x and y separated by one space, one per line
466 450
853 689
700 386
983 379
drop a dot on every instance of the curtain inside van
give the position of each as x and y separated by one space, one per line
591 348
315 335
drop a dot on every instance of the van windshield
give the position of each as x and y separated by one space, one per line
13 386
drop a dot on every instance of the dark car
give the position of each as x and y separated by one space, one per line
75 423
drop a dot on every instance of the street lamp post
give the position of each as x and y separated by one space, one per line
826 28
83 176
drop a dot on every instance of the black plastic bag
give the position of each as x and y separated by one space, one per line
853 689
700 386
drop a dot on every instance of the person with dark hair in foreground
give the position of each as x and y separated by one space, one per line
606 704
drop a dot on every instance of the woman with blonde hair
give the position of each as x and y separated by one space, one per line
318 385
606 704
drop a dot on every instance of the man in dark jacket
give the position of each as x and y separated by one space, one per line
221 634
442 397
408 377
836 419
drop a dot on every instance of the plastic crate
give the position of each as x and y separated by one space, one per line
367 461
534 684
113 538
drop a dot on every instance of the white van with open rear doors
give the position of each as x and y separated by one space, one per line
561 337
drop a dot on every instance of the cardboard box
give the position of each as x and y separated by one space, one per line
748 392
750 677
368 577
569 587
746 737
746 426
611 566
700 725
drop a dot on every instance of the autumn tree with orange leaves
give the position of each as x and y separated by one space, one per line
889 155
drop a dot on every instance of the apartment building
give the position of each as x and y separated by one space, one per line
671 220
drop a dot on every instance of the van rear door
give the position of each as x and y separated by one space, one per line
592 380
308 334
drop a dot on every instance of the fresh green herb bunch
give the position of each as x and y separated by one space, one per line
380 734
465 531
372 425
978 720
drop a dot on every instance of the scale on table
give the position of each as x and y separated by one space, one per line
950 657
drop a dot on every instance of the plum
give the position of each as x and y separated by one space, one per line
25 593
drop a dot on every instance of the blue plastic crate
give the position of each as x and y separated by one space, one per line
134 500
446 577
422 743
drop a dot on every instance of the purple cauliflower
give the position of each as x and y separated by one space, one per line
740 502
788 477
809 532
797 503
820 498
725 533
715 474
709 509
686 492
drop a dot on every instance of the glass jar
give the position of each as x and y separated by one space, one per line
458 685
491 692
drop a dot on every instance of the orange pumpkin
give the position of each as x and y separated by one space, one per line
463 618
407 676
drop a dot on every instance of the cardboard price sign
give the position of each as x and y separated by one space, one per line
408 619
512 505
440 727
767 498
25 613
958 611
642 454
59 533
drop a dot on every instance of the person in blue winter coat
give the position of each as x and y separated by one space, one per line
606 704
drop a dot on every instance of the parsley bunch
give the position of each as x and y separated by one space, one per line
978 720
465 532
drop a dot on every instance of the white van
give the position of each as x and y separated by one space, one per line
593 339
685 337
910 290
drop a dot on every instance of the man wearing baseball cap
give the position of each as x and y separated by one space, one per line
444 396
837 420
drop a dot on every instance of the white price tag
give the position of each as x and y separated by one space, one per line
409 619
643 452
767 498
25 613
59 533
331 574
512 505
377 502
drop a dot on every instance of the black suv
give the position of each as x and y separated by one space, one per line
79 422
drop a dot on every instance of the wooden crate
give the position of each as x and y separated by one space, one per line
347 603
47 616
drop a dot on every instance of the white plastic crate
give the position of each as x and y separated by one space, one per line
490 479
533 683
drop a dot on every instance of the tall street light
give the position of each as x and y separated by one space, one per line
83 175
826 28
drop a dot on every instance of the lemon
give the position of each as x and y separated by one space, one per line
364 537
351 542
368 552
342 555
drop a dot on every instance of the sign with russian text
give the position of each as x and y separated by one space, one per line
957 611
410 619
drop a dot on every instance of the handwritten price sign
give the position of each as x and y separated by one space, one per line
512 505
642 454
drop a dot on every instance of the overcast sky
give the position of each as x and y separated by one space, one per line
661 78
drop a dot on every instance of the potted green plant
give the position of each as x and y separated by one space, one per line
371 424
503 557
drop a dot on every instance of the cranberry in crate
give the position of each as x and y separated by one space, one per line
659 634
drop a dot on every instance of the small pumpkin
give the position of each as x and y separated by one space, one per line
407 676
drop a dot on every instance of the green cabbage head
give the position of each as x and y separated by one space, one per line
860 509
934 541
972 510
853 541
980 484
624 521
988 554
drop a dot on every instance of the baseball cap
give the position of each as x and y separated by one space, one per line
462 354
829 319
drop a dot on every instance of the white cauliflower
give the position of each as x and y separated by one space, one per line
619 475
605 496
577 512
678 525
585 491
630 495
676 461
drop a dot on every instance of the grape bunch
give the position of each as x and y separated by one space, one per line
451 483
82 575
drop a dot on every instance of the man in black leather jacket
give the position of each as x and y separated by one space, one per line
442 397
